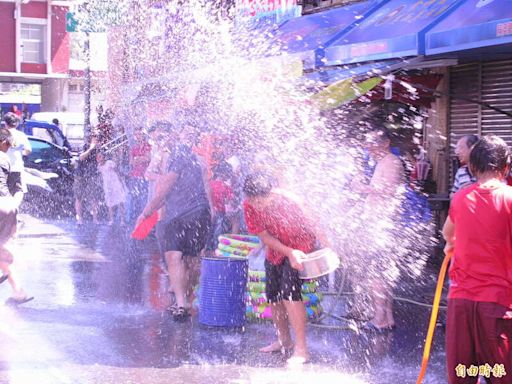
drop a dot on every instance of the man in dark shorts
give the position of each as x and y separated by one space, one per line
478 230
286 232
183 231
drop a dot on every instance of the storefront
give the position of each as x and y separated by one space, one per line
450 61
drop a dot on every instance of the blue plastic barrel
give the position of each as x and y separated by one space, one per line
222 295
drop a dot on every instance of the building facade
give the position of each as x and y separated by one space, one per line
35 48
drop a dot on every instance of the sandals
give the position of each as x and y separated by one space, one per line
3 278
178 313
14 301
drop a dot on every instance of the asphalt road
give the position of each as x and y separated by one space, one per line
98 317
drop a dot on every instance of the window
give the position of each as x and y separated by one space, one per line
42 133
43 152
33 43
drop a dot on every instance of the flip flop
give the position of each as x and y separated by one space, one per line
179 313
286 351
3 278
12 301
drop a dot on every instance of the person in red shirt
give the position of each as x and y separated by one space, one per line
286 232
479 231
222 197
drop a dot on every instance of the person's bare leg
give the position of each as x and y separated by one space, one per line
193 271
380 304
297 315
110 215
6 260
177 271
280 320
94 212
122 213
389 310
78 210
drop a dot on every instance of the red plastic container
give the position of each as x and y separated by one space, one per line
144 228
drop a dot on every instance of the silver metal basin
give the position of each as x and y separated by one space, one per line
319 263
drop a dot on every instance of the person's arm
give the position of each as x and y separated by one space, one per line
88 152
163 187
294 255
449 234
27 148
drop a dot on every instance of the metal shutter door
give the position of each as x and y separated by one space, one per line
464 116
497 91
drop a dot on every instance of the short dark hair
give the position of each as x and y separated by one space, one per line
471 140
11 120
490 154
5 135
257 184
55 121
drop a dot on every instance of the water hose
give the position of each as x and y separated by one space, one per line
433 317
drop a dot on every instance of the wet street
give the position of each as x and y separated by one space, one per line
98 317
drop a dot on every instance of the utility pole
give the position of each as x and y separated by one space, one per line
87 88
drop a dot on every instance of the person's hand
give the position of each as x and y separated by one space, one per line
296 258
448 248
140 219
358 186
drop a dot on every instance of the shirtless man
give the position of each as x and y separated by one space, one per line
383 196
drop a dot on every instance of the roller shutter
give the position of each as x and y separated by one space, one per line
489 82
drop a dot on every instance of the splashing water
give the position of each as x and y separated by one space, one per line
238 90
223 80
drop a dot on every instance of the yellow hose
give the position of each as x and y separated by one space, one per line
433 317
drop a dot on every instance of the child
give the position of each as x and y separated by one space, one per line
222 202
478 229
113 188
283 228
9 203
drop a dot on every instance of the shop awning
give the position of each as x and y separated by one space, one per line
307 36
475 24
352 71
396 29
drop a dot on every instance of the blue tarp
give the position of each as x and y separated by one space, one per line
396 29
333 75
475 24
307 36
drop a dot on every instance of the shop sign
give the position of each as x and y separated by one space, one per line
274 11
504 29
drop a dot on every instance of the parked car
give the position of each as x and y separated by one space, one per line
48 157
71 124
47 131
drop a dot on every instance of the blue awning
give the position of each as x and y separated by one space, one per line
307 36
396 29
475 24
333 75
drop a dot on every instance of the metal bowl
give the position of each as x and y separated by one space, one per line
319 263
